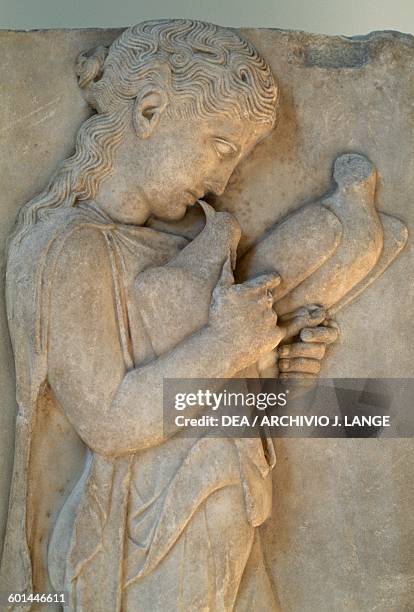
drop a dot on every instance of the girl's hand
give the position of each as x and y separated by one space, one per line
303 357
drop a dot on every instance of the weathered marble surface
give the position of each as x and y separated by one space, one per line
349 500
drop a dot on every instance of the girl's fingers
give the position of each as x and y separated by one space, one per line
326 335
313 350
300 364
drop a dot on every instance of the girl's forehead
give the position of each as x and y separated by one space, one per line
235 126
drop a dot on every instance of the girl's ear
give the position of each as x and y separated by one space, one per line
148 108
151 101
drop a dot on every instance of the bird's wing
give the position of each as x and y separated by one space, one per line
294 248
395 238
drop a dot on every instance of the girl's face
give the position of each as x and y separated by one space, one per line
176 163
187 159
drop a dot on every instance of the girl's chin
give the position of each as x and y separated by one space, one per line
179 213
175 213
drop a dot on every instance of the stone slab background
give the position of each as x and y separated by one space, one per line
342 533
325 16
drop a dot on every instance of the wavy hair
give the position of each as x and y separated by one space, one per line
209 70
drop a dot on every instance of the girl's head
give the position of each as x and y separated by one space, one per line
178 104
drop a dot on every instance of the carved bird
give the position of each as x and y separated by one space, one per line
328 251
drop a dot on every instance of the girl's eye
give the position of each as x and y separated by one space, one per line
224 148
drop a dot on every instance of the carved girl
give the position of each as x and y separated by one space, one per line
127 519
